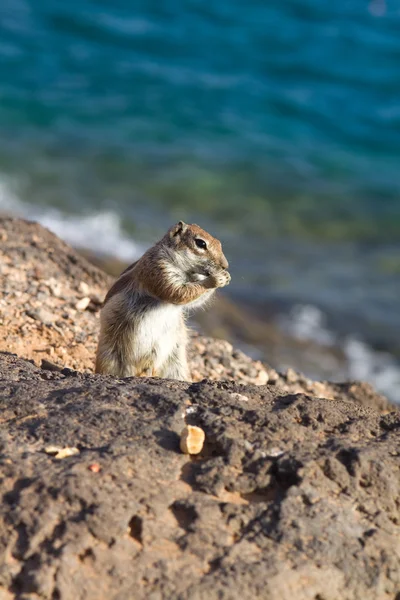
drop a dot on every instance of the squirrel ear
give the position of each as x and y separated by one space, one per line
177 229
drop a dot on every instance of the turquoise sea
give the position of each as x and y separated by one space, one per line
276 125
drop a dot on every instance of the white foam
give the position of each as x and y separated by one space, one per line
379 368
363 363
307 322
100 232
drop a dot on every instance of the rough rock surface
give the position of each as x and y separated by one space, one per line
50 299
291 497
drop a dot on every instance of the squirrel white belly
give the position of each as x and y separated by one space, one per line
142 322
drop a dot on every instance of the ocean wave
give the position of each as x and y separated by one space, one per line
362 363
101 232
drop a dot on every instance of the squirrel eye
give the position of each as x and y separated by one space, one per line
200 243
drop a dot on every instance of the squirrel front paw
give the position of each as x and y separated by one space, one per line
219 279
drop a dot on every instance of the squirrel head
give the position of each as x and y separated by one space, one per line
197 247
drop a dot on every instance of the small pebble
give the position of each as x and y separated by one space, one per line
60 453
84 288
262 378
95 468
192 440
83 303
274 452
54 287
240 397
291 376
51 449
49 366
41 314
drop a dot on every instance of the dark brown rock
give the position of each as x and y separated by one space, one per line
291 497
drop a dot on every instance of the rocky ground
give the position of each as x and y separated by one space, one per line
292 496
50 298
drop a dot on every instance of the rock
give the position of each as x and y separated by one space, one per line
291 497
192 440
60 453
54 287
47 365
291 376
41 279
217 359
83 303
41 314
84 288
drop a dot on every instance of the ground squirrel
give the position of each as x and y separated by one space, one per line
143 331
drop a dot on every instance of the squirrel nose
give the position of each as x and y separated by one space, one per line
224 263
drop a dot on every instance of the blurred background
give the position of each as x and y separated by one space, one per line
275 125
